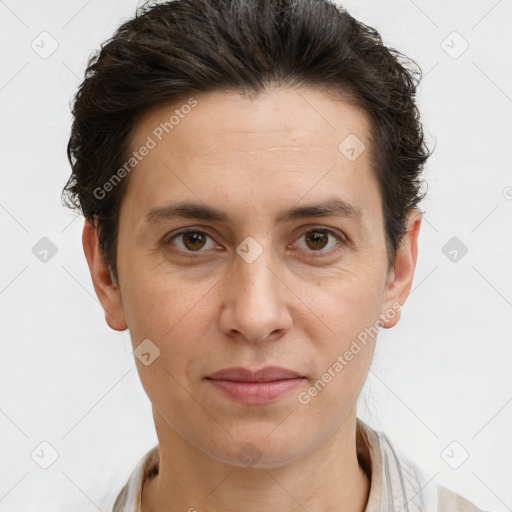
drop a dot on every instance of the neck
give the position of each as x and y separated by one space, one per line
328 479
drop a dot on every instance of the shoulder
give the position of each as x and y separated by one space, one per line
129 498
396 480
449 501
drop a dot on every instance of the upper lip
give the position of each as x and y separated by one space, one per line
267 374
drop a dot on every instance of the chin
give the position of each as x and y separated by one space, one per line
261 450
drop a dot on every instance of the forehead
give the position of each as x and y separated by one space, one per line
224 149
295 111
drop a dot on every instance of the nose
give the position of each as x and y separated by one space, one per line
255 301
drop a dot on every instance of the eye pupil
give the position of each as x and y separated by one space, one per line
195 241
196 238
317 238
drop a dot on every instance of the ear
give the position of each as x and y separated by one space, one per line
400 278
106 289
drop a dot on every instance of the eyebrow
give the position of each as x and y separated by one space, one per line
330 207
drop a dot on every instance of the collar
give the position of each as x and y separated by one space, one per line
396 484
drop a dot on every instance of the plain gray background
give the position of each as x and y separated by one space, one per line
440 384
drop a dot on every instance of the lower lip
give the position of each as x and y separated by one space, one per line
256 392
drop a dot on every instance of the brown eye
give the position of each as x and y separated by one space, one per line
316 240
192 240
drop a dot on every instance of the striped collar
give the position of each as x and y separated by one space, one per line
397 485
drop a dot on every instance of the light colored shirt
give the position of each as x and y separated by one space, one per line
396 485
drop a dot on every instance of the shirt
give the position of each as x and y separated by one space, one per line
396 485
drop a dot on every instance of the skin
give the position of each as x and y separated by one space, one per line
294 306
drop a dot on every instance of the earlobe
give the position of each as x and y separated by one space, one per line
400 279
106 289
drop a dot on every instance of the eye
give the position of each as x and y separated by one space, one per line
193 240
196 240
316 240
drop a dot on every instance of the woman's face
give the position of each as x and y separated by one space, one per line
258 288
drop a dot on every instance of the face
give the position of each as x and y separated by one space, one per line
271 282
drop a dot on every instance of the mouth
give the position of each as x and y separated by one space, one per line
267 374
255 387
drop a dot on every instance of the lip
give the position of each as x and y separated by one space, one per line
267 374
255 387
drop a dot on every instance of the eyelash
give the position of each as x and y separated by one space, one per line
340 238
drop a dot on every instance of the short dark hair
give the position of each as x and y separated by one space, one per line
172 50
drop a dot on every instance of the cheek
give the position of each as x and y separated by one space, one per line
342 305
176 316
176 329
157 302
341 367
342 335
